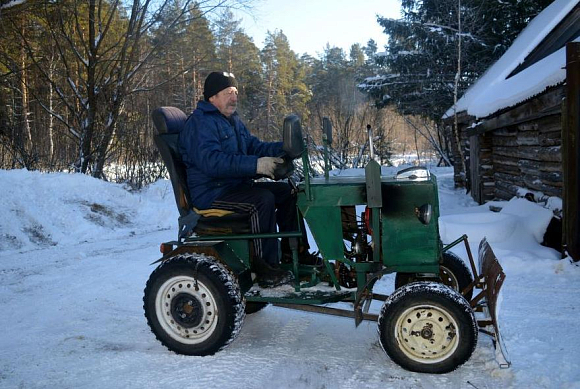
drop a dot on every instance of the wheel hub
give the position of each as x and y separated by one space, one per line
186 310
427 331
427 334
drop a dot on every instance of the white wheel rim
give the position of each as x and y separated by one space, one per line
186 310
427 333
448 278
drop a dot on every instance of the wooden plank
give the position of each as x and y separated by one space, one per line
550 154
550 124
534 183
511 152
511 179
503 195
530 138
571 152
508 188
528 126
547 139
505 131
513 170
529 166
474 165
553 179
505 160
505 141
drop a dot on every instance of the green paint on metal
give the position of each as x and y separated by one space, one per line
325 225
408 243
330 272
454 243
235 254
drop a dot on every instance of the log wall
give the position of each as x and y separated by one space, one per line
529 156
519 148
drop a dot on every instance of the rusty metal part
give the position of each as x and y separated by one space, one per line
490 280
327 310
346 276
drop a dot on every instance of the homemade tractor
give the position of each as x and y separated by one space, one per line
364 226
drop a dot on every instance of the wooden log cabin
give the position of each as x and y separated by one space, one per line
518 125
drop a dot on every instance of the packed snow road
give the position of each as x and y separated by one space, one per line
72 310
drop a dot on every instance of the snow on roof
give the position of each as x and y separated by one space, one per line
493 91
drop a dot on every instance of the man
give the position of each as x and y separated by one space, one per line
222 158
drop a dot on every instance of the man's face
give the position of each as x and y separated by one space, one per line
226 101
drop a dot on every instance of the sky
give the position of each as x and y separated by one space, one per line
311 24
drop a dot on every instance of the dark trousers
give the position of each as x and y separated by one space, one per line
267 204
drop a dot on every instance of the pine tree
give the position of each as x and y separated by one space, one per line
225 29
335 95
186 55
418 71
285 90
248 70
237 53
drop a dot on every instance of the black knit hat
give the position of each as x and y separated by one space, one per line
217 82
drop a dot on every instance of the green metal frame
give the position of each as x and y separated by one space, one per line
400 241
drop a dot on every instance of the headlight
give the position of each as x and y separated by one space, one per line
424 213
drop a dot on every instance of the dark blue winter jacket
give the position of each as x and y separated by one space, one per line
219 153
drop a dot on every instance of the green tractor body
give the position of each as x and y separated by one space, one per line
407 245
364 226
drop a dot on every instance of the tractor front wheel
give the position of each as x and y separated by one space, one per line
427 328
193 305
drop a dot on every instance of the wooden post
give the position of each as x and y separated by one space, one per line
571 152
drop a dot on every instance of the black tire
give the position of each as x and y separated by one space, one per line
193 305
253 307
427 328
452 272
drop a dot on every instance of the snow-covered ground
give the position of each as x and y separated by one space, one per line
74 259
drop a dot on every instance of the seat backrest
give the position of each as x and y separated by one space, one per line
169 122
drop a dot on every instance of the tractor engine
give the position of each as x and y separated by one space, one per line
356 247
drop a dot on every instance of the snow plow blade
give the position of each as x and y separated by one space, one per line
489 280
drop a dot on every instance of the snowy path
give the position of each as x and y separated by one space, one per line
72 317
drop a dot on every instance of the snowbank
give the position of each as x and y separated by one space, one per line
49 209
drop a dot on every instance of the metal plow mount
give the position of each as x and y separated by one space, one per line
490 280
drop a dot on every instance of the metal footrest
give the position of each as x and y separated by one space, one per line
319 294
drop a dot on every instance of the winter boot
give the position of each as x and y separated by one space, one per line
269 276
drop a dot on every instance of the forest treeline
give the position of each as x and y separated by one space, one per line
79 79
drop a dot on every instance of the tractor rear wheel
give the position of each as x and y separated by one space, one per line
452 272
427 328
193 305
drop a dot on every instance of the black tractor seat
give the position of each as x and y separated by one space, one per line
169 122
